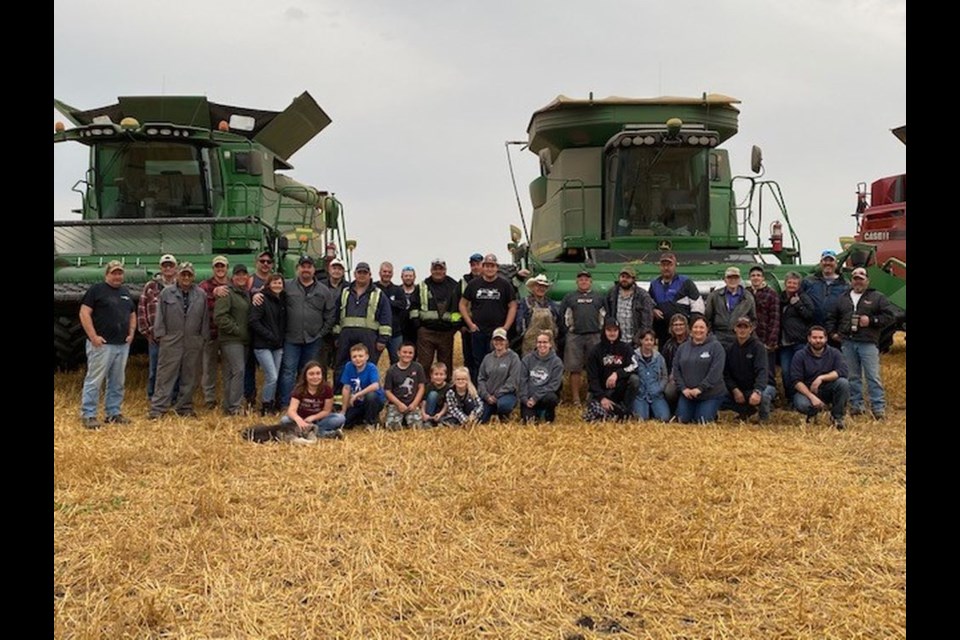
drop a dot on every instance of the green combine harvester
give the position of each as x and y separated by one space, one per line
623 180
182 175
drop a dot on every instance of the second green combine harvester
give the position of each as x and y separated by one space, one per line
190 177
625 179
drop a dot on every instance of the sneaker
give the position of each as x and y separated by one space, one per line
185 413
838 423
302 441
118 419
91 422
335 434
879 415
856 411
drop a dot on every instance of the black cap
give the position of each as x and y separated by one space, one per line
306 260
362 266
583 272
610 321
240 268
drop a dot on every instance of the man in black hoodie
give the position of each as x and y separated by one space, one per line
612 384
745 372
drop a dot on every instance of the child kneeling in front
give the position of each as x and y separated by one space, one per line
463 404
311 406
403 384
362 396
434 405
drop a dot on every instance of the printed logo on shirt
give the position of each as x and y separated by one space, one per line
705 355
488 294
749 356
539 375
612 359
355 384
585 300
407 386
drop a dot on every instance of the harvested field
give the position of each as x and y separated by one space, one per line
181 529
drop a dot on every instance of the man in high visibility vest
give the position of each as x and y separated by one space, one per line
363 316
434 307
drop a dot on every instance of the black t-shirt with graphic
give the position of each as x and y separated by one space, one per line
111 307
489 302
403 382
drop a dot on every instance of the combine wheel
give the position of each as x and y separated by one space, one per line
68 343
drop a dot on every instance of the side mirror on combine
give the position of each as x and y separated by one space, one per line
756 159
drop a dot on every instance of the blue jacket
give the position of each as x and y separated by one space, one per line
653 375
824 295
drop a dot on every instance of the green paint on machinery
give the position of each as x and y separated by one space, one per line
186 176
624 179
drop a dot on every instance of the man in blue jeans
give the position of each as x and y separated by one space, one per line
857 321
310 316
819 373
488 303
109 318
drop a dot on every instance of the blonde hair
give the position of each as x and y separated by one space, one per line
471 390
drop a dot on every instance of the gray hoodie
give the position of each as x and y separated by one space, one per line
700 366
499 376
540 375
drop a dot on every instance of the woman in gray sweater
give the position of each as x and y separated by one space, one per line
698 372
498 380
540 382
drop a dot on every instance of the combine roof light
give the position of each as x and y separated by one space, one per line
649 139
58 127
626 142
129 123
164 132
152 131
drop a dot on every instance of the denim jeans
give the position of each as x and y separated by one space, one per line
746 409
699 410
269 360
295 357
503 407
479 347
332 422
659 408
864 357
786 358
432 398
106 362
835 393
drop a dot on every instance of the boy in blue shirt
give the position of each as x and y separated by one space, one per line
362 396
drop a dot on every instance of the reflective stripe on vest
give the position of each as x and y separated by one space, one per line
426 313
368 321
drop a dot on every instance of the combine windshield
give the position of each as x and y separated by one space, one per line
153 180
657 191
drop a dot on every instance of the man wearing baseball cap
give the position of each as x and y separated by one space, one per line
435 309
630 305
726 304
857 321
488 303
466 338
109 318
147 314
745 373
216 286
825 287
582 312
363 316
672 293
182 328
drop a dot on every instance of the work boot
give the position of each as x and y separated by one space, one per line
118 419
91 422
267 407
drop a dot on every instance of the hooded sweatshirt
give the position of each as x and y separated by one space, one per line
540 375
700 366
499 375
605 359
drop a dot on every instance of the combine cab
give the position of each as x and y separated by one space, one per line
624 179
182 175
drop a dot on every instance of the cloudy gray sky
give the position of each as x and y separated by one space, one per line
423 94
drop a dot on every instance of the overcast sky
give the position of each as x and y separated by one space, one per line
423 94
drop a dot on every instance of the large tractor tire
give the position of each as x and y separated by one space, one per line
68 343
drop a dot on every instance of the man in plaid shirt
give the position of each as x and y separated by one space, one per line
768 318
147 314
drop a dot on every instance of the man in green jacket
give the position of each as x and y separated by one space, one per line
231 313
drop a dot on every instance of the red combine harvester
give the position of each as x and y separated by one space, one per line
881 241
882 220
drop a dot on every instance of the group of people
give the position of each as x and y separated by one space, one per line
660 352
